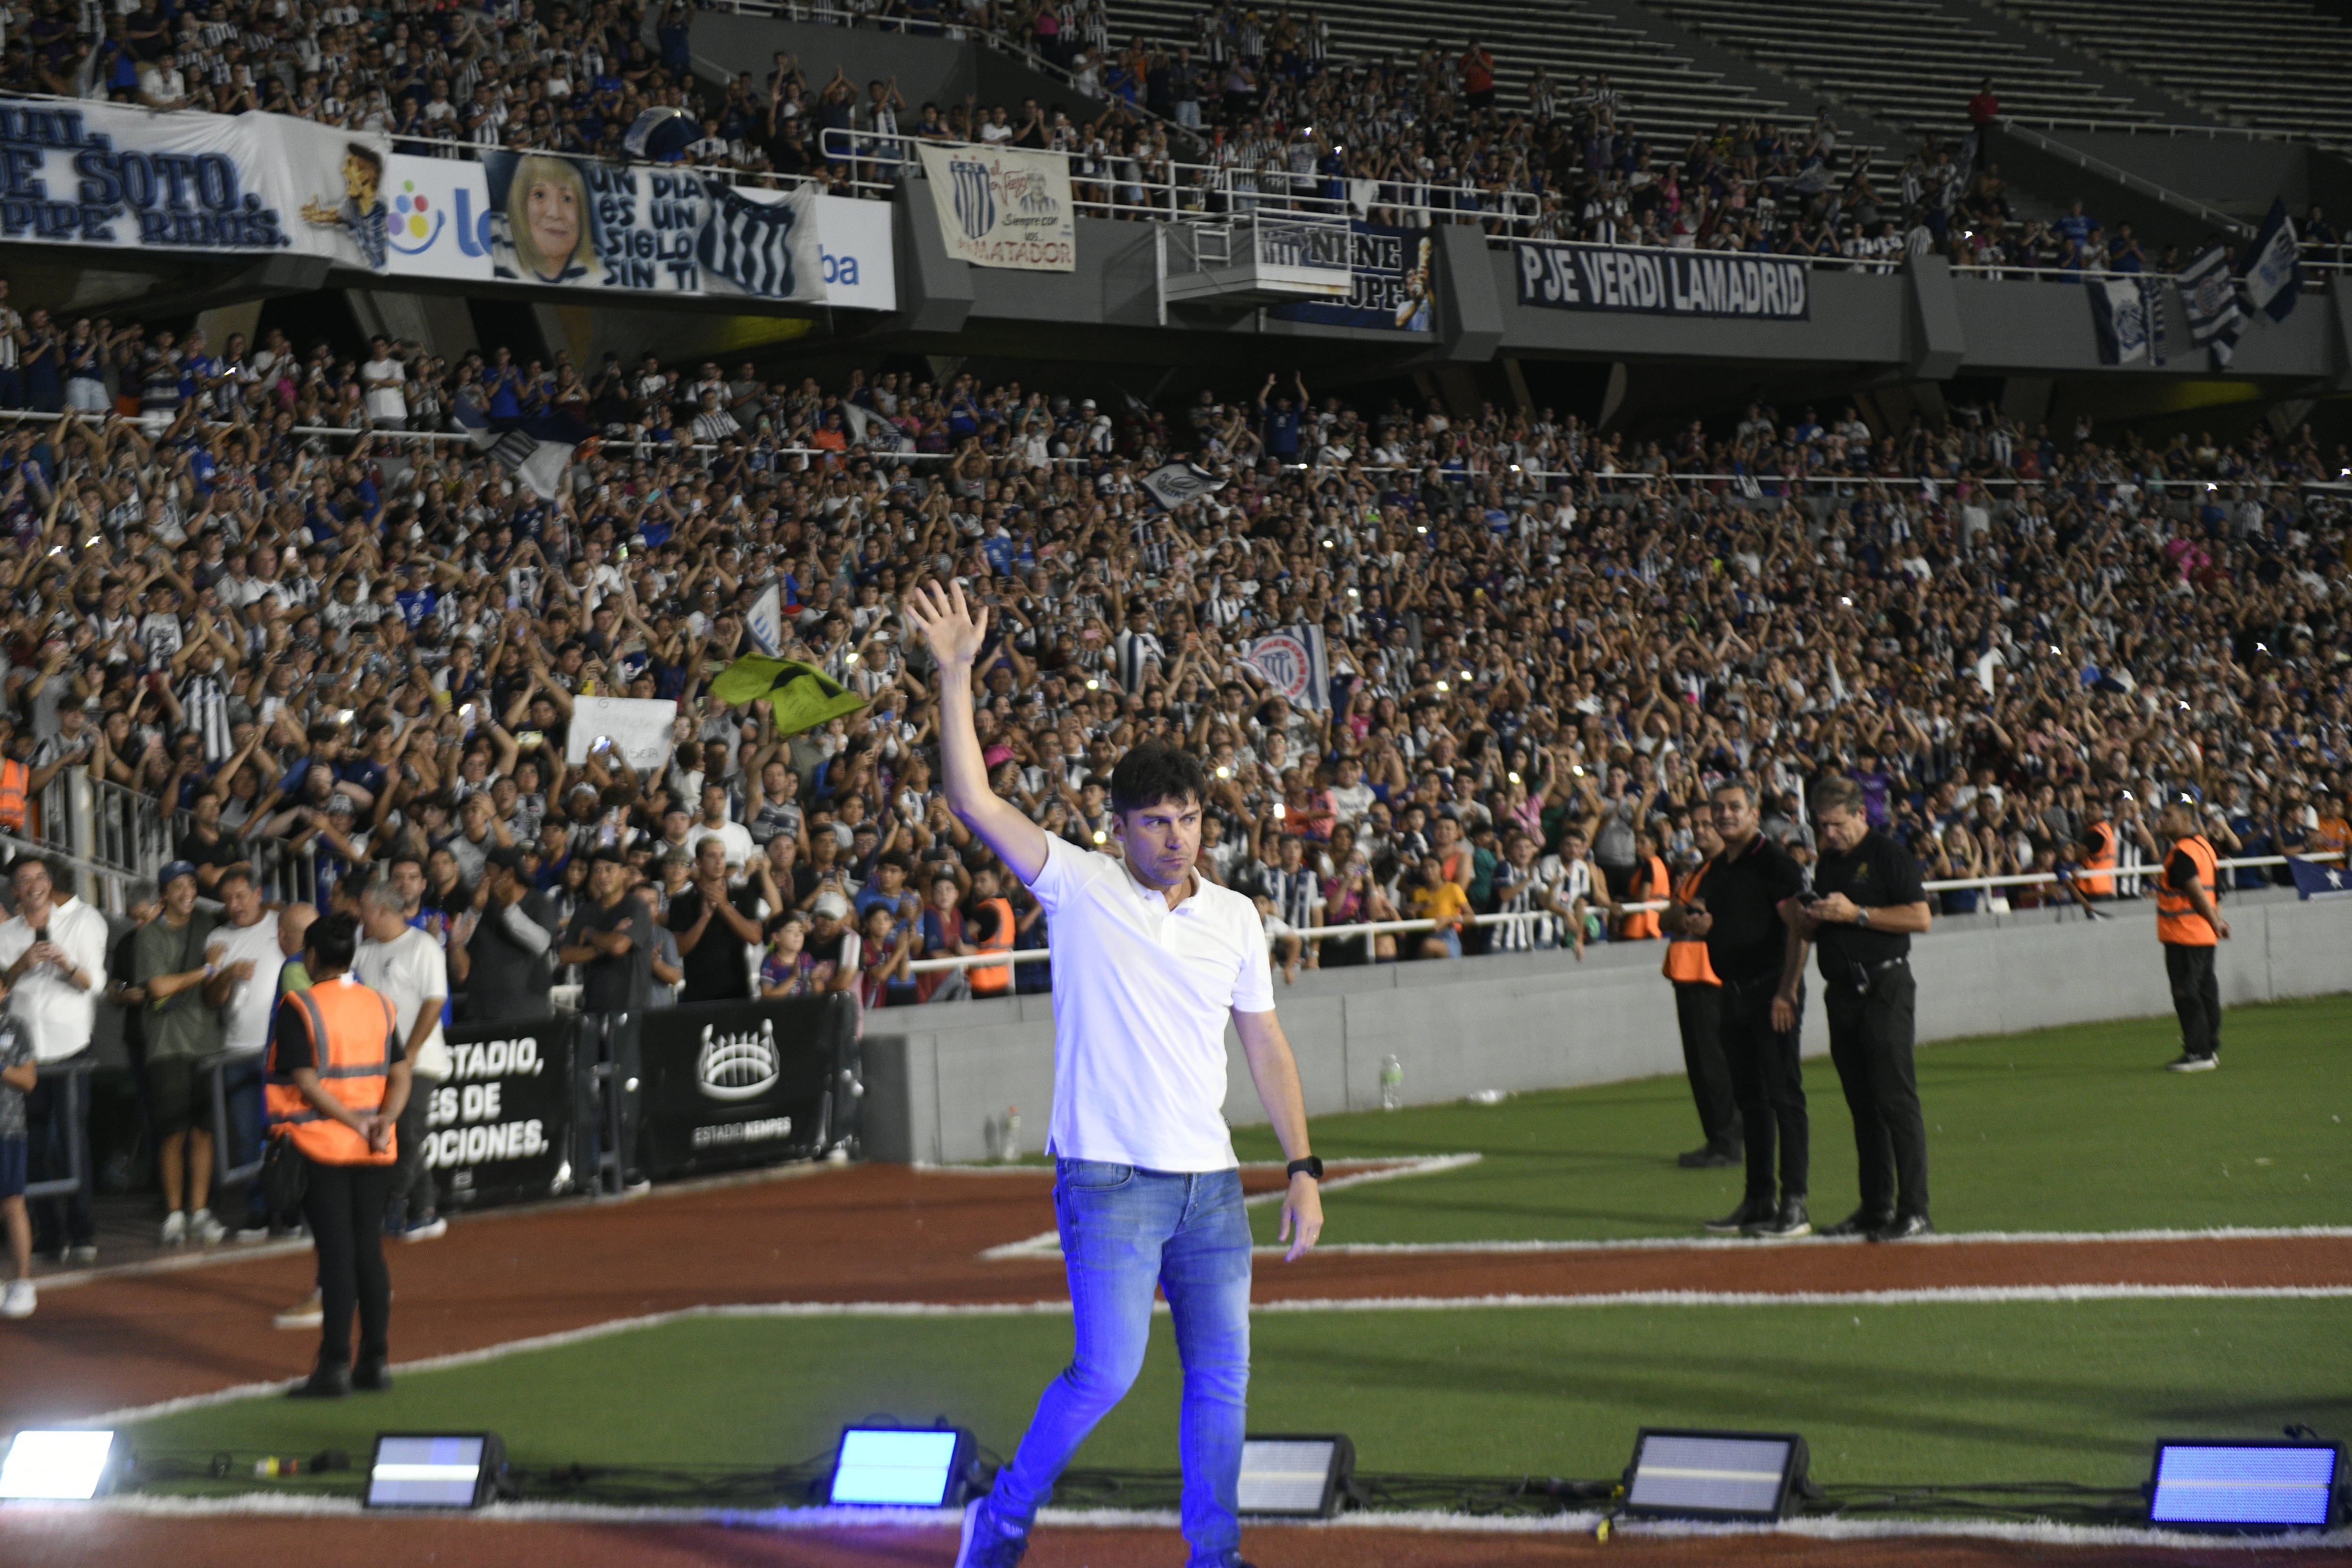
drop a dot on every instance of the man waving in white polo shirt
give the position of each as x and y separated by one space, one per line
1149 962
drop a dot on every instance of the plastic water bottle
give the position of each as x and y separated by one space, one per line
1391 1084
1010 1150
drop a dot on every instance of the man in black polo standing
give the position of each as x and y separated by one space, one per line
1761 963
1868 904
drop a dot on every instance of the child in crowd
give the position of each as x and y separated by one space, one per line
1282 938
790 969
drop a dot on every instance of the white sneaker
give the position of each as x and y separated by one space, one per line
203 1228
2194 1064
308 1313
175 1228
433 1229
17 1301
85 1253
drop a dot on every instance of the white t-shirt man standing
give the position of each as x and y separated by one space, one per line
246 958
386 381
1151 962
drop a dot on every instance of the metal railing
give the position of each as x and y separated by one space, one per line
1126 185
1367 931
2130 181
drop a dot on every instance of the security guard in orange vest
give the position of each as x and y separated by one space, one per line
1696 993
337 1081
2189 923
2096 877
1649 884
989 979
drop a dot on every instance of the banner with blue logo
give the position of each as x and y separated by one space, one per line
587 223
135 179
1389 268
999 207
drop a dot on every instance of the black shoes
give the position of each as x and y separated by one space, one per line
1859 1222
332 1381
1711 1158
373 1376
1785 1224
1736 1222
1904 1228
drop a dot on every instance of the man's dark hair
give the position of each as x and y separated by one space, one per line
332 940
1156 772
237 871
1744 790
1837 795
404 856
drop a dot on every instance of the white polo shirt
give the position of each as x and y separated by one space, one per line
55 1013
246 1019
1141 996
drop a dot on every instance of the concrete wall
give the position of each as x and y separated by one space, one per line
1544 1021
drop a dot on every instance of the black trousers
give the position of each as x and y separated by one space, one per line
1700 1018
47 1156
1870 1042
2196 997
1769 1085
413 1186
345 1205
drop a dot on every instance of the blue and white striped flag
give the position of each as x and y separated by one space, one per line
767 249
2208 298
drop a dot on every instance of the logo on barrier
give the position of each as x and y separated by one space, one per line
738 1067
975 202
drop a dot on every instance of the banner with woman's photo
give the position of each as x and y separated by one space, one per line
589 224
138 179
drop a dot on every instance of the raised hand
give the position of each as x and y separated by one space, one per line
952 628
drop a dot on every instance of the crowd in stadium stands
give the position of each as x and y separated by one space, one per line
1256 110
1544 641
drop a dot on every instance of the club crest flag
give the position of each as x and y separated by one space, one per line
1173 484
1292 661
1001 208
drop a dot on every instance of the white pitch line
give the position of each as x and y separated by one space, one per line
1956 1296
1743 1244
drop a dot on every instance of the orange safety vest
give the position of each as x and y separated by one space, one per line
351 1029
2098 867
2178 923
1649 881
1685 955
994 979
15 795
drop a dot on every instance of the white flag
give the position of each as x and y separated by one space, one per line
765 624
1173 484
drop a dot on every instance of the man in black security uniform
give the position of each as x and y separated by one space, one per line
714 923
1867 904
1761 963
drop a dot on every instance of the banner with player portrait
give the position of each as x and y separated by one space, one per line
586 222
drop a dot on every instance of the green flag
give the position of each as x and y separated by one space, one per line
802 695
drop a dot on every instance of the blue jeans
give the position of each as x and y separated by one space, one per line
1125 1231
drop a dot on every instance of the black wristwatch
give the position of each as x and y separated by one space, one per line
1310 1166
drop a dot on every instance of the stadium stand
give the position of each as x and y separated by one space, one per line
2276 67
1534 629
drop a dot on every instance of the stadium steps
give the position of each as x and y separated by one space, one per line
2282 67
1916 63
1672 87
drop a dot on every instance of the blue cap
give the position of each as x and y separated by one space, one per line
176 869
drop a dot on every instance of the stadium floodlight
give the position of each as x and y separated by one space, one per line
1714 1475
901 1467
1296 1475
436 1469
2218 1484
56 1467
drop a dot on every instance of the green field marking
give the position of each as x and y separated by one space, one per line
1920 1393
2074 1129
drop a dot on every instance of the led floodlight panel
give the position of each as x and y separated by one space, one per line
1714 1475
2215 1485
1298 1476
420 1470
892 1466
61 1466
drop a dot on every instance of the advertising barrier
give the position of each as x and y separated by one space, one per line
1663 282
499 1129
729 1084
999 207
